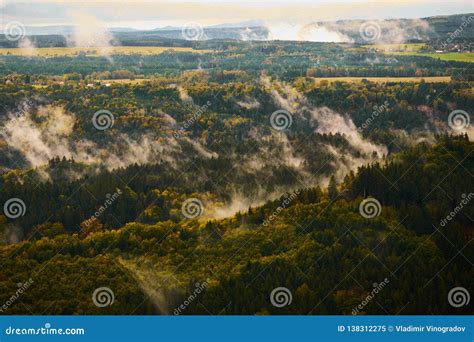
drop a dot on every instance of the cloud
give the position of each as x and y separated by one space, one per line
40 143
159 13
90 32
201 150
49 132
249 103
184 96
27 46
309 32
329 122
326 121
237 203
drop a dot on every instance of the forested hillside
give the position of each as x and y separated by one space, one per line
218 176
320 246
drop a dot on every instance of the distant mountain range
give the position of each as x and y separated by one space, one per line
359 31
69 29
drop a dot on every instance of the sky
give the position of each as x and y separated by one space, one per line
147 14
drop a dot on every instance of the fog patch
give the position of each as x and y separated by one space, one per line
330 122
11 234
184 96
40 142
322 119
49 132
313 32
238 203
249 103
28 47
89 32
201 150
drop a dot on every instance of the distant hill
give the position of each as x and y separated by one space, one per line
357 31
65 30
403 30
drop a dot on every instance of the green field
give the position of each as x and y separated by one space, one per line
448 56
95 51
414 50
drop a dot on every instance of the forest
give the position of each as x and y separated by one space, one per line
198 182
320 241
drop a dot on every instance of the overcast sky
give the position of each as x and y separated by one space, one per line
158 13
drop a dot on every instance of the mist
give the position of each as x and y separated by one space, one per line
27 46
89 32
309 32
322 119
48 132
